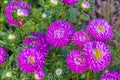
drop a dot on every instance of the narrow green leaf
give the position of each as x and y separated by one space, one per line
2 33
118 33
84 17
73 14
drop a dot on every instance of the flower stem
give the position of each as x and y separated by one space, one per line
77 76
89 75
70 75
13 50
64 11
22 33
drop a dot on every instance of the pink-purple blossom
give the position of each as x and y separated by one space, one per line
110 75
98 55
59 33
39 74
76 61
29 60
81 37
100 29
70 2
38 42
86 4
2 55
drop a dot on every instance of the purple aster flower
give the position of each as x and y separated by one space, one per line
86 4
111 75
59 33
70 2
22 12
13 22
100 29
97 54
18 7
37 35
2 55
39 74
29 60
81 37
76 61
39 42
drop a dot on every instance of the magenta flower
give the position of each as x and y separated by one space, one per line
20 9
38 35
100 29
81 37
70 2
98 55
86 4
39 42
13 22
39 74
112 75
22 12
2 55
29 60
59 33
76 61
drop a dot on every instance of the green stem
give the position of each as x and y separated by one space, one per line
3 6
64 11
70 75
53 56
13 50
89 75
77 76
22 32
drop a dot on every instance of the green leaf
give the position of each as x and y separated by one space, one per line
84 17
73 14
64 52
2 33
118 33
11 59
2 18
2 43
19 49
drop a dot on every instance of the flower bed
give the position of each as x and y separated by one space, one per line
60 40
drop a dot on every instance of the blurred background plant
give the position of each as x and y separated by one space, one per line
43 13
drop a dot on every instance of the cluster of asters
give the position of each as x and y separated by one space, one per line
32 58
94 55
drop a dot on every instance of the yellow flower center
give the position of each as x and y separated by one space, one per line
31 60
101 28
97 54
